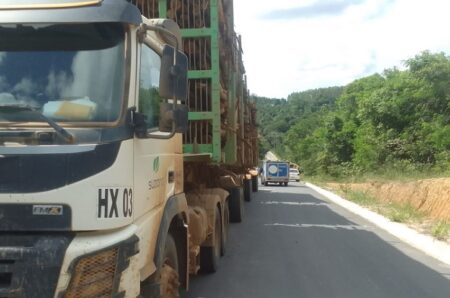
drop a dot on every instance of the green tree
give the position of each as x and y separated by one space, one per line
397 119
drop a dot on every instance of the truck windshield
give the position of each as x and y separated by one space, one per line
69 73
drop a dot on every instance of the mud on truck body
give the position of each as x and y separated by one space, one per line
107 188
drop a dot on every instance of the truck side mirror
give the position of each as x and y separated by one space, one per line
173 77
173 118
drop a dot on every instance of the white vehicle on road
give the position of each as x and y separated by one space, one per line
294 174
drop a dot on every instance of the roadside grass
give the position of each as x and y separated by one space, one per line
441 230
385 175
360 198
397 212
403 213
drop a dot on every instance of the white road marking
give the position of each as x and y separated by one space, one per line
294 203
332 227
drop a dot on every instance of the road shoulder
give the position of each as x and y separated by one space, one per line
427 244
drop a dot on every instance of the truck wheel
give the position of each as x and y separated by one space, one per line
247 190
226 222
286 183
254 183
169 282
236 204
281 183
266 183
209 256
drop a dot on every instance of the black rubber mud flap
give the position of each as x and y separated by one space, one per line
254 183
236 204
247 190
210 256
225 228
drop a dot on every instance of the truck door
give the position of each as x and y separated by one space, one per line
154 159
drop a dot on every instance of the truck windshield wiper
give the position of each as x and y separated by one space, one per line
60 131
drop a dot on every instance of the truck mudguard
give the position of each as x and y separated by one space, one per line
174 209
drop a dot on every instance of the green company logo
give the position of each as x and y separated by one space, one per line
156 165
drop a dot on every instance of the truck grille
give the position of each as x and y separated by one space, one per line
30 263
10 257
94 276
5 274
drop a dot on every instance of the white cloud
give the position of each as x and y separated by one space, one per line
26 86
293 54
3 84
7 98
93 66
57 84
93 73
25 91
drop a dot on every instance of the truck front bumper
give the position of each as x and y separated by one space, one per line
68 265
30 263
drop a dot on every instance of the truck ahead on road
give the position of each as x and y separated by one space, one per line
274 172
122 160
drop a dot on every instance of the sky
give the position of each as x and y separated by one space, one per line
296 45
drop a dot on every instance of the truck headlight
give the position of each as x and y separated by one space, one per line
94 275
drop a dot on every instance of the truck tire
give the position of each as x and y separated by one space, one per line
236 204
226 222
210 255
247 190
165 282
266 183
254 183
169 282
286 183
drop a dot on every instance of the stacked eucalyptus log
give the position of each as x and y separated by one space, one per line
196 14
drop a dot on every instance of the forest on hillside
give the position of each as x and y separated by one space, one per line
397 120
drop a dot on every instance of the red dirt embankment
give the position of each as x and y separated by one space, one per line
429 196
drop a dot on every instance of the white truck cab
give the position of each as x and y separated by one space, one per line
91 166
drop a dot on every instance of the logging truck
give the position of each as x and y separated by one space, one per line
127 145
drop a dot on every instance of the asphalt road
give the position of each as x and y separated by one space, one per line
295 243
